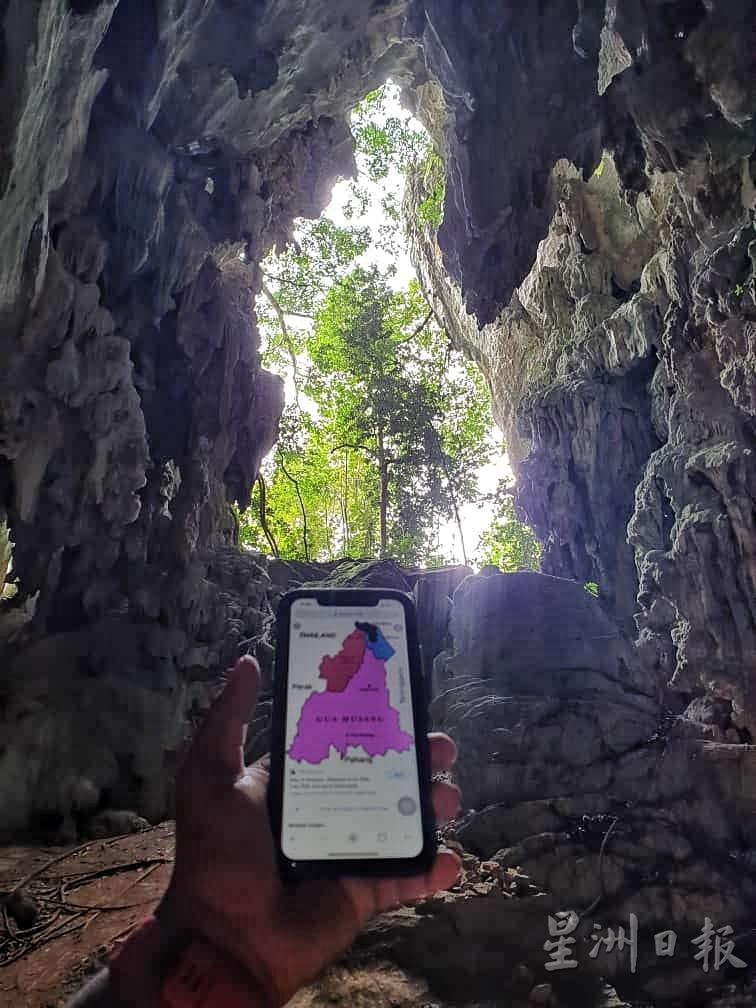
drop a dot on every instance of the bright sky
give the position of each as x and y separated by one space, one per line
475 518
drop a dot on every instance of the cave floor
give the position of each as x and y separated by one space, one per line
86 896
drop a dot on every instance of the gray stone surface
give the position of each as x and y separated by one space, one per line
576 774
622 365
133 407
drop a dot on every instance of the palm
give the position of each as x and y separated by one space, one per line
226 883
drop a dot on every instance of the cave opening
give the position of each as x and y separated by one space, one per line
343 308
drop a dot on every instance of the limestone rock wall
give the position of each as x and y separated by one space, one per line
622 365
150 154
581 779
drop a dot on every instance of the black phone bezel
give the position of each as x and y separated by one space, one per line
362 867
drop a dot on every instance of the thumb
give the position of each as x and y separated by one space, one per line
326 917
371 897
220 742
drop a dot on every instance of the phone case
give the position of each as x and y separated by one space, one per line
370 868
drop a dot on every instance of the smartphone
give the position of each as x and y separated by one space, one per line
350 788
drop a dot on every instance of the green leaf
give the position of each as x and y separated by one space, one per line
508 543
432 185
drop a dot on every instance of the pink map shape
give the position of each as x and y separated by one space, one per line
361 716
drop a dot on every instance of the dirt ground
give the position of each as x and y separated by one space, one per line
74 903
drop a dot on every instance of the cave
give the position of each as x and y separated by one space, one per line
596 259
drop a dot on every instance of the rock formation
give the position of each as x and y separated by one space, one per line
597 258
585 782
622 365
151 154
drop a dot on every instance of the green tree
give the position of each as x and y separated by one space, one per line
386 388
389 425
431 184
312 508
508 543
392 439
389 146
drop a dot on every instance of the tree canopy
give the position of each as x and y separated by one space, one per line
387 425
393 435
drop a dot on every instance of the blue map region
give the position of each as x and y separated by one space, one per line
376 642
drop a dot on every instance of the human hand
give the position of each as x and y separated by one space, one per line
225 884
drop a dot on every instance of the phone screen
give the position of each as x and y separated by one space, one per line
351 785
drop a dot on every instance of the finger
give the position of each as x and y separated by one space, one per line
339 911
220 741
443 752
368 897
387 893
443 874
447 800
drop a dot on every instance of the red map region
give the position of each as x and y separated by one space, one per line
339 669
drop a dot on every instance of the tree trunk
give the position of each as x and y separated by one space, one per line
264 516
384 478
345 504
328 529
458 519
457 516
453 493
302 508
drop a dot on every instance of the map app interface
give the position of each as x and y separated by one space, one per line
351 787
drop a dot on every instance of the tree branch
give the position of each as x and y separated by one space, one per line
285 332
321 274
355 447
418 330
424 323
264 516
282 280
295 484
297 314
390 459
